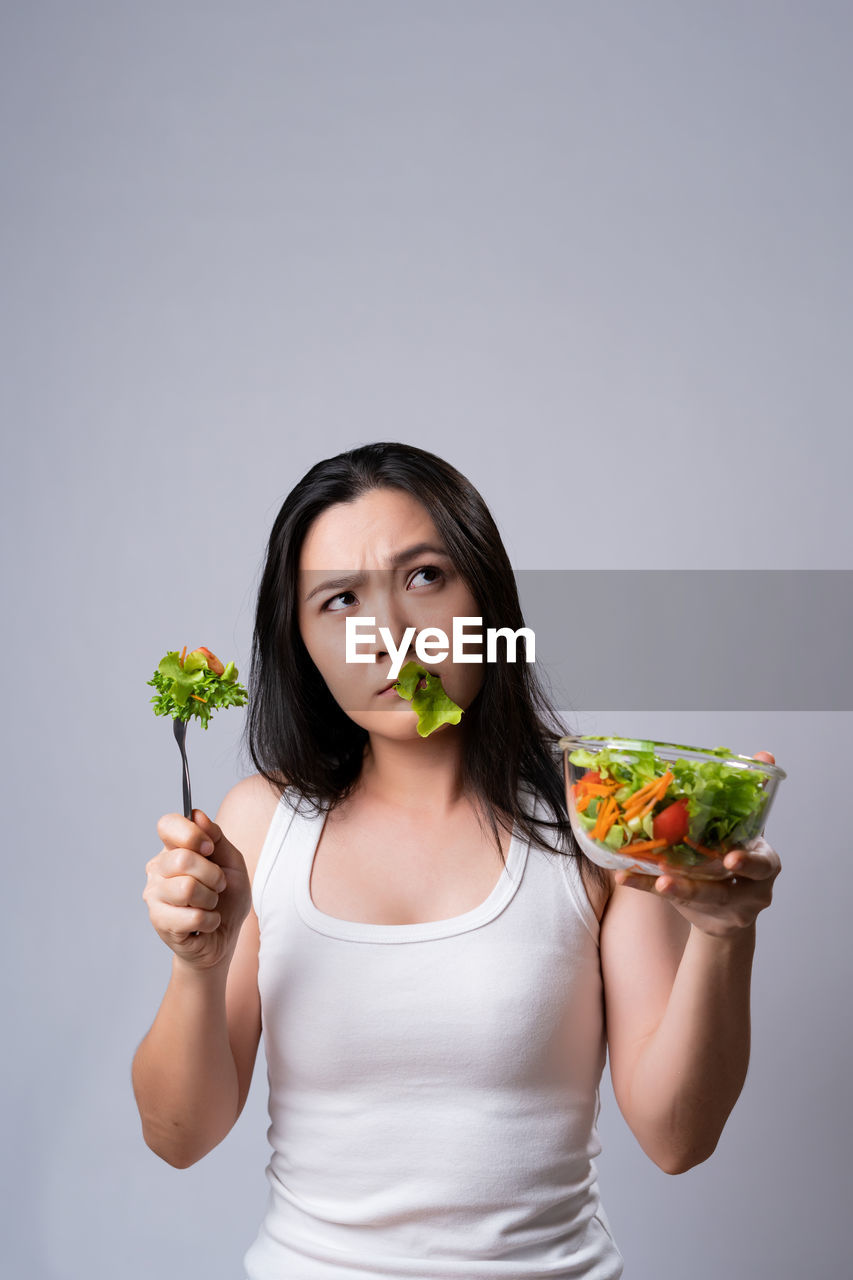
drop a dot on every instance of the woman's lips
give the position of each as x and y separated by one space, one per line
390 688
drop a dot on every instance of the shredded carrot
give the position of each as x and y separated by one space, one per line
634 808
640 799
643 846
600 789
652 784
197 698
605 821
586 781
183 655
647 786
583 803
700 848
599 821
607 815
642 810
647 849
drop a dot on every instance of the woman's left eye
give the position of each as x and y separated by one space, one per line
430 568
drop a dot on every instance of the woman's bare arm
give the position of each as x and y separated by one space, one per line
678 1028
184 1072
191 1072
691 1071
677 978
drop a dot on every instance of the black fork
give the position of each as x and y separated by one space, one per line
180 728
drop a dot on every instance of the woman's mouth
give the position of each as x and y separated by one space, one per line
391 688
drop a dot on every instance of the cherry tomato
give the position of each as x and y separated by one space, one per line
672 823
589 776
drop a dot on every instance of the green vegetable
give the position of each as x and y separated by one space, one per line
724 804
191 690
725 801
432 704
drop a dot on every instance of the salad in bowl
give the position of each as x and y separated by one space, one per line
640 805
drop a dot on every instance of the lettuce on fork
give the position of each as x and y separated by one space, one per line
433 706
192 687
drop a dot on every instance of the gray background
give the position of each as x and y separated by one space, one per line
595 254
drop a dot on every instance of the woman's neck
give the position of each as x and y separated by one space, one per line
409 775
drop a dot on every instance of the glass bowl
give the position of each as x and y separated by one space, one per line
639 805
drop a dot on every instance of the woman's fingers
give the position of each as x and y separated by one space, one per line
634 880
717 907
752 865
184 888
178 832
706 893
184 862
710 892
756 860
185 891
182 921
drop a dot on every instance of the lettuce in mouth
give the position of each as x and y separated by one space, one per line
434 708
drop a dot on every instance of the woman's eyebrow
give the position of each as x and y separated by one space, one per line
345 582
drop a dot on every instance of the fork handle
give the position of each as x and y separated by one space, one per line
185 779
180 729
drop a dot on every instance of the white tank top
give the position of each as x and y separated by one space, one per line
433 1087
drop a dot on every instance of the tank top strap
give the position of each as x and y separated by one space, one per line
570 864
290 813
570 874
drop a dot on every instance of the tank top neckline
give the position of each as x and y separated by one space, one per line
308 831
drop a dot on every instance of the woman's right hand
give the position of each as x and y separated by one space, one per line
189 889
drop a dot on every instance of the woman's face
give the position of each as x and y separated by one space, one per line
379 542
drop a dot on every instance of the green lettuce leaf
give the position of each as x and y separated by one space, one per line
434 708
179 688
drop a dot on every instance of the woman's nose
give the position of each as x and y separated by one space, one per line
390 612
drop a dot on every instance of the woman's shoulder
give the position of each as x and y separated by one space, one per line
246 813
254 795
256 785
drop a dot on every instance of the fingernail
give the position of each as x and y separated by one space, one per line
207 846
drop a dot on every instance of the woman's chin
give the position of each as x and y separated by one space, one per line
399 723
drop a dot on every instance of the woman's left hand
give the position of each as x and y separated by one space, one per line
721 908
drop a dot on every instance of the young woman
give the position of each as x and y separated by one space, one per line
409 920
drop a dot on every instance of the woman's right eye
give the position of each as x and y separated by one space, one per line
340 596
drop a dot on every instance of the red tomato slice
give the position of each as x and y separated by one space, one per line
672 823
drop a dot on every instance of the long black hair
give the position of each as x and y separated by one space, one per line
299 738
